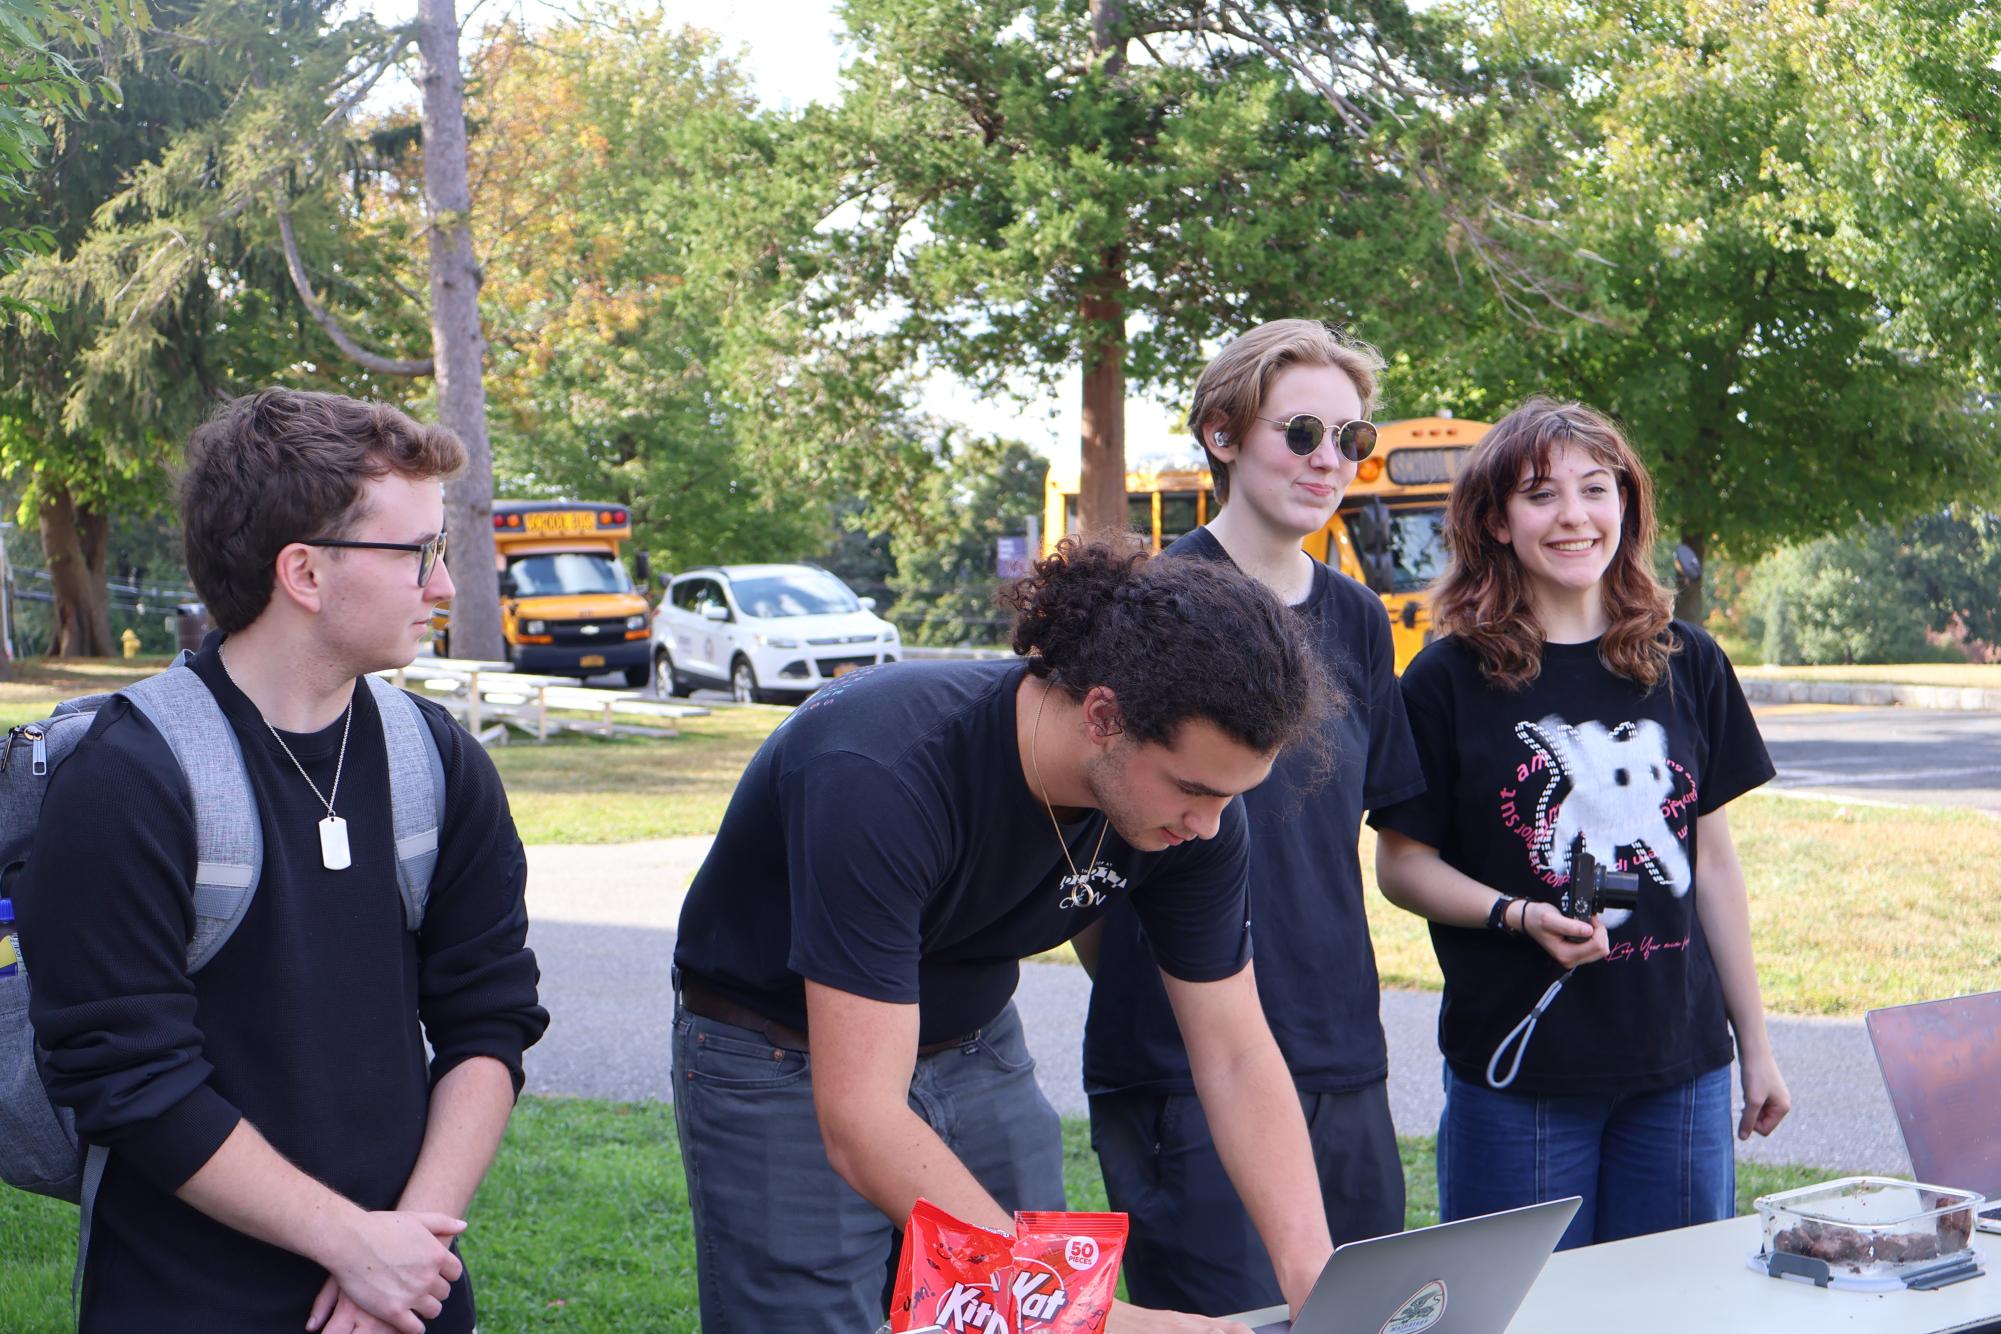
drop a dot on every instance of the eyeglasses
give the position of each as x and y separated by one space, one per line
428 553
1356 439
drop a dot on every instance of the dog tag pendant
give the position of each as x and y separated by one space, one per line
333 844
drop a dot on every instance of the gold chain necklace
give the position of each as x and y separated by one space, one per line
1076 879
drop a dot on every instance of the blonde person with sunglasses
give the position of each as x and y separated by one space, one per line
1283 417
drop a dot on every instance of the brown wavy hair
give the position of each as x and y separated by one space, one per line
1483 596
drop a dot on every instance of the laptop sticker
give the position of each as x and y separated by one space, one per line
1420 1311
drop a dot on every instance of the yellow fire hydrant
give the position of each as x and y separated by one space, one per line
129 641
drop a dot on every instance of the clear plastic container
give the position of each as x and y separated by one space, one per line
1873 1229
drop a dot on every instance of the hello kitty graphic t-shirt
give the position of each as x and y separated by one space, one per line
1517 784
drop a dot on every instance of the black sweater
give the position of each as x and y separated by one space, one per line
307 1023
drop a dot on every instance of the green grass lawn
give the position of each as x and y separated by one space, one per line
583 1224
581 789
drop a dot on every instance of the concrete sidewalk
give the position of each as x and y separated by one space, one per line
603 919
1871 694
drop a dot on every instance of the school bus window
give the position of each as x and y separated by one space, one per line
1417 546
1139 514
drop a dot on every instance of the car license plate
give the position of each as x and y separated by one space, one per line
591 660
843 668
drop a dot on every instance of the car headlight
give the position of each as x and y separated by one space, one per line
776 641
890 636
533 627
635 622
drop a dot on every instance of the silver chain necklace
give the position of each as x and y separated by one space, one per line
334 854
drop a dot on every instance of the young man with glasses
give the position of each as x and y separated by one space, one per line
1282 414
283 1152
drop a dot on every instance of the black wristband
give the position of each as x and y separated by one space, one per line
1497 916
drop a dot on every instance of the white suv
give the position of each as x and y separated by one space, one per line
763 632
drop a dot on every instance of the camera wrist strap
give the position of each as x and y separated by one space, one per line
1524 1031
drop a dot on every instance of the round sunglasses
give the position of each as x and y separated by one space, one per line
1303 433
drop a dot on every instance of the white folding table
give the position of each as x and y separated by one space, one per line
1699 1279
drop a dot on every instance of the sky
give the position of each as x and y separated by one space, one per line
791 49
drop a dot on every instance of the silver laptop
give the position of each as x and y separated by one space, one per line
1467 1277
1941 1062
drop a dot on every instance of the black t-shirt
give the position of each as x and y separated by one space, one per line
884 843
1513 780
1316 971
310 1023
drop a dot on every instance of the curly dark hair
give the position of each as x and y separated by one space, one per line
1173 640
283 465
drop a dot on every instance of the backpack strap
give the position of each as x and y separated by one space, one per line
229 854
416 794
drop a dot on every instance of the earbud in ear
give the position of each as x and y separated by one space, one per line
1221 438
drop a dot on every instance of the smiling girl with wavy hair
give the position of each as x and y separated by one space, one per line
1550 752
1484 597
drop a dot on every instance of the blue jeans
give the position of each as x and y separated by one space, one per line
1643 1162
782 1242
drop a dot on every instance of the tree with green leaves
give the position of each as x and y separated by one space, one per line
1784 367
247 223
138 331
54 67
1031 186
946 546
618 161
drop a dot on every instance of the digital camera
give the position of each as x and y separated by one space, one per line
1593 888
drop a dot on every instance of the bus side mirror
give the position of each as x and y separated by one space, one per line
642 569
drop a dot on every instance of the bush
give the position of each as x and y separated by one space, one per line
1878 594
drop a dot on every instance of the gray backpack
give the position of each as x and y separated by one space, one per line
39 1150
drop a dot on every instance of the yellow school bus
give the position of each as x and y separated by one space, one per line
568 607
1389 531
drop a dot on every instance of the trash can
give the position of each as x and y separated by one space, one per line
189 623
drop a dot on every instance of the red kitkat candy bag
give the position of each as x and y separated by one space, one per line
951 1274
1066 1271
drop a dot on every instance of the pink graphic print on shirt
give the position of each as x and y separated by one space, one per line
1615 788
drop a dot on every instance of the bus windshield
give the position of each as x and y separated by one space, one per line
1417 547
567 572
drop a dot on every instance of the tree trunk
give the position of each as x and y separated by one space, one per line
1101 487
73 543
458 347
1101 481
1688 592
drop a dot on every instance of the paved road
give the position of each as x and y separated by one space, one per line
603 928
1925 757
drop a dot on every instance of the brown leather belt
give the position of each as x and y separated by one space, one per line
700 999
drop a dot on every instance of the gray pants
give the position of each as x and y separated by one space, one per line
1193 1247
781 1241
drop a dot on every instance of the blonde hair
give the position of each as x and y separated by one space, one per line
1233 386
